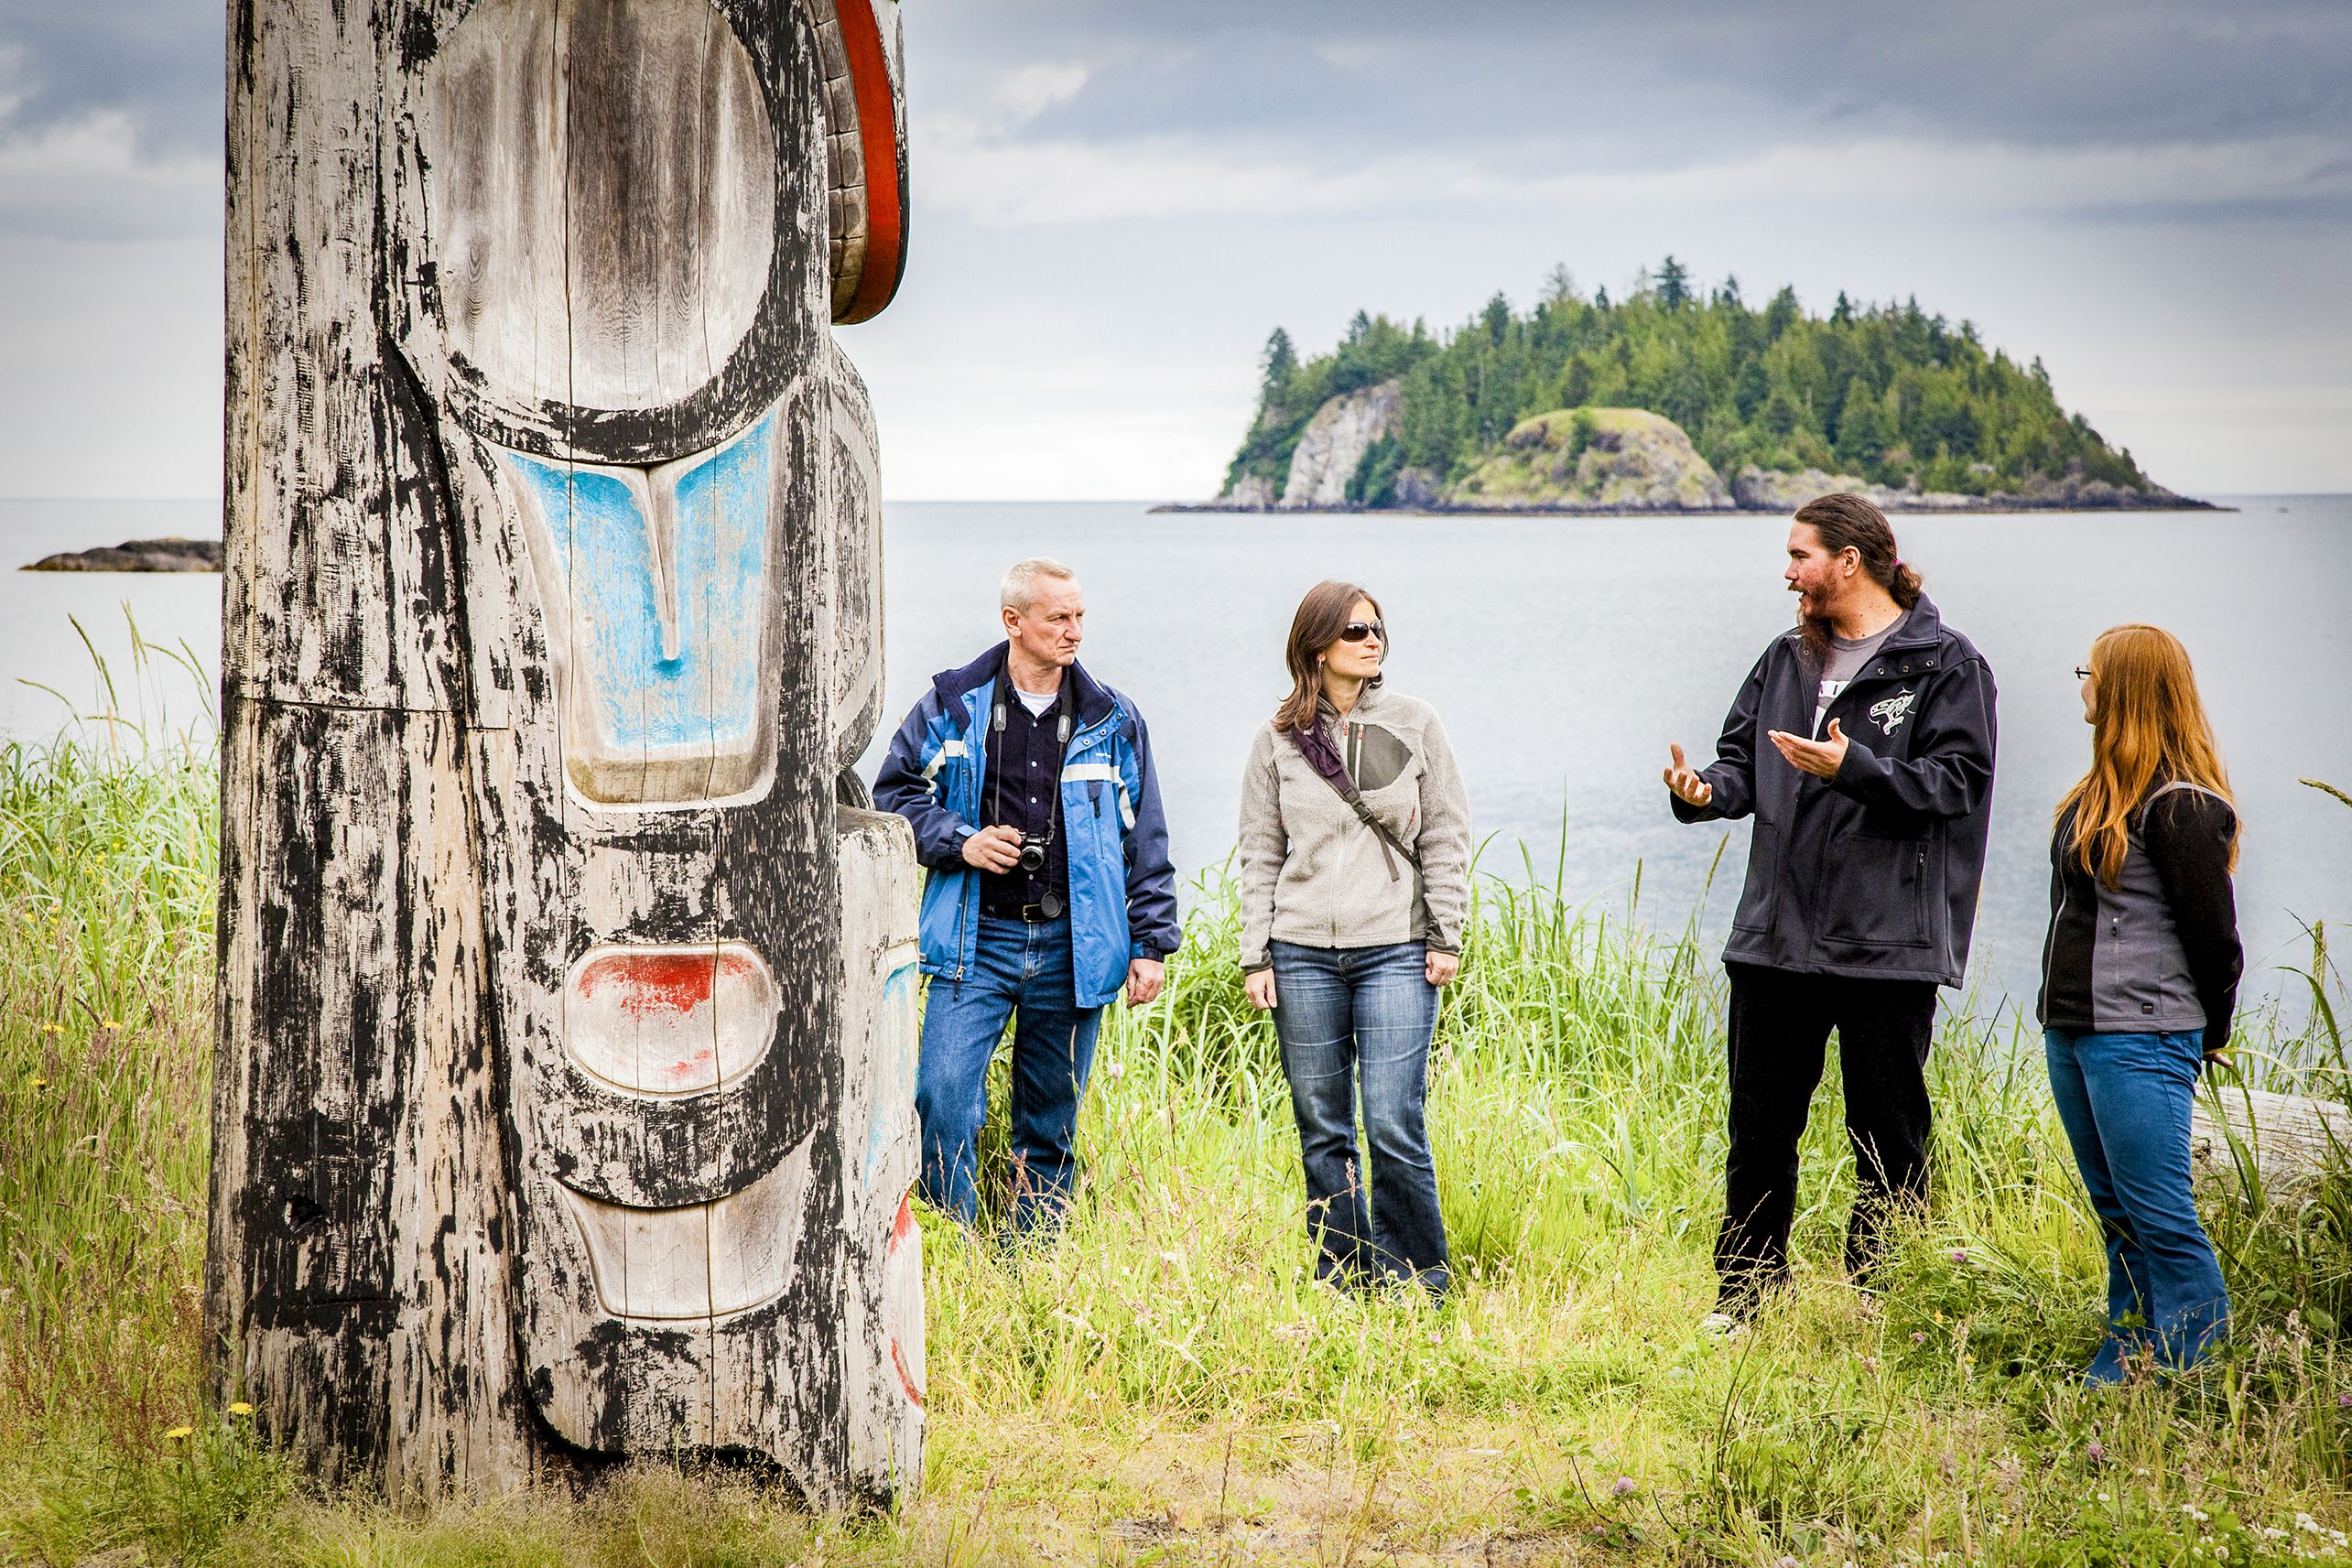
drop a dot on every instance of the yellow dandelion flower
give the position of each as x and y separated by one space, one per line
238 1407
110 1023
40 1083
177 1433
52 1028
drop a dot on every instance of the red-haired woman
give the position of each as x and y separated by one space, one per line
2139 980
1355 881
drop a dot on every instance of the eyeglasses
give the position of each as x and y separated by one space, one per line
1357 631
2081 673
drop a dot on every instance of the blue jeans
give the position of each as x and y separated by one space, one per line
1343 1013
1024 968
2124 1099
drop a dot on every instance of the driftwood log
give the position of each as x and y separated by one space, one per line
2287 1139
564 1102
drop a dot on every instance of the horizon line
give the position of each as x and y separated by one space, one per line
1029 500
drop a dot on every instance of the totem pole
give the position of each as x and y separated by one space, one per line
564 1096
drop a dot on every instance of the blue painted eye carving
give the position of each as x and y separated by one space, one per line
667 570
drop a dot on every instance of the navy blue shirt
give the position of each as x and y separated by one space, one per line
1022 789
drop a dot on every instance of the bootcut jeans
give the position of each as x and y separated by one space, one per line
1019 968
1345 1014
2124 1099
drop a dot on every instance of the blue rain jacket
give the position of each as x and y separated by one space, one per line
1122 887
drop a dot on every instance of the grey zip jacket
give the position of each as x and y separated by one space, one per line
1873 874
2157 953
1313 874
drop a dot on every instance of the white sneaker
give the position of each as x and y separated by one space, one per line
1720 1325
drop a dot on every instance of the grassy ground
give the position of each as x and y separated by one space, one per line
1167 1383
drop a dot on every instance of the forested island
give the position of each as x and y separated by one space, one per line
1673 399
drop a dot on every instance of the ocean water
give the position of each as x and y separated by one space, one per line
1564 655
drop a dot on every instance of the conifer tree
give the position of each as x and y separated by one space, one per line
1672 284
1277 365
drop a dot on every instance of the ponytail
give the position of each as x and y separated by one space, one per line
1905 587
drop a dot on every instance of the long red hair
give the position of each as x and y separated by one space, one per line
2147 724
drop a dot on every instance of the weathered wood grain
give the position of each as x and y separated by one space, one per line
880 1151
2289 1139
564 1102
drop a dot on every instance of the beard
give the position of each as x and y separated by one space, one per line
1813 624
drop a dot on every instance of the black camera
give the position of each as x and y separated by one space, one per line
1033 852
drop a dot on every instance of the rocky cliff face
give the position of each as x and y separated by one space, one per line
1600 460
1335 441
1251 492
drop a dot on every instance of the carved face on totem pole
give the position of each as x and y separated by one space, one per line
630 226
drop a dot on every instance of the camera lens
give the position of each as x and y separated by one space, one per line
1032 855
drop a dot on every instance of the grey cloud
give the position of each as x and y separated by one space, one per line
1667 81
1595 80
157 62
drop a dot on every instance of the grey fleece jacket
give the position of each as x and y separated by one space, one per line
1314 875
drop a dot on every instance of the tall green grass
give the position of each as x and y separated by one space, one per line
1167 1381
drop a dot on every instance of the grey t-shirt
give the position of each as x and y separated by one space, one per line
1848 658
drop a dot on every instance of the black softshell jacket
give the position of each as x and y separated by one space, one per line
1874 874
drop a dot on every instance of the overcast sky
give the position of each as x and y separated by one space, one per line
1116 201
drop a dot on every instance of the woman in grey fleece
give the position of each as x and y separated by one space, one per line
1355 881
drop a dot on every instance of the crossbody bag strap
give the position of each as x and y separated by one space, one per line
1355 799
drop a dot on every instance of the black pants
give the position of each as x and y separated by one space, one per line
1780 1028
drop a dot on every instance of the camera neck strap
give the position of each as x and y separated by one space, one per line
999 717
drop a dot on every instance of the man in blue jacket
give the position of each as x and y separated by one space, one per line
1036 812
1862 745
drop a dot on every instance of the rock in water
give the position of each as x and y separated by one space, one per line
168 554
1766 489
1762 489
1334 444
1593 460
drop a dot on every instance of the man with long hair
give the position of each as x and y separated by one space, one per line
1862 746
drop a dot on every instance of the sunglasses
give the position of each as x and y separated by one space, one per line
2081 673
1357 631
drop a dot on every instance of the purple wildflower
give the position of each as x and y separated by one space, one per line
1624 1485
2096 1452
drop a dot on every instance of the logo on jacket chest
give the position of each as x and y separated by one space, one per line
1889 713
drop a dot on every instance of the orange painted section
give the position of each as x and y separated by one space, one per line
878 140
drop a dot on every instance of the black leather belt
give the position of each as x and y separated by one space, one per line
1043 914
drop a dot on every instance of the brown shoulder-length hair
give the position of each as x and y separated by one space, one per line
1847 522
2147 724
1322 615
